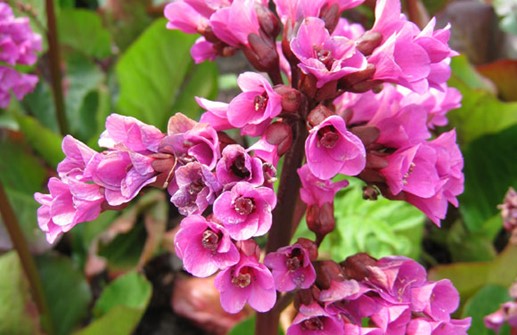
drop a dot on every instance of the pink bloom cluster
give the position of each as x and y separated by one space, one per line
387 296
19 46
507 313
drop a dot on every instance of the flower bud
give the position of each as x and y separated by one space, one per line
369 42
291 98
279 134
248 248
355 78
224 140
262 53
367 134
320 220
326 272
317 115
370 193
330 15
356 266
268 21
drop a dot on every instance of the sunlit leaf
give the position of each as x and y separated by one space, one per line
503 74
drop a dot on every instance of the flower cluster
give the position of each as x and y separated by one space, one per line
507 313
19 46
367 296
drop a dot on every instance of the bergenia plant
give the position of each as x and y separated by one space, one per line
329 98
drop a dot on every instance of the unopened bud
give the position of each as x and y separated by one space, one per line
279 134
268 21
261 53
370 193
369 42
248 248
318 115
326 272
356 266
327 91
376 160
291 98
367 134
365 86
320 220
355 78
306 297
330 15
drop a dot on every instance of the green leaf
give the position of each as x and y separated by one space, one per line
481 112
121 306
40 103
465 246
490 165
84 77
484 302
18 313
44 141
82 30
382 227
151 72
246 327
67 292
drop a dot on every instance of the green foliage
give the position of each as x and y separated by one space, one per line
18 314
151 73
246 327
121 306
66 290
380 228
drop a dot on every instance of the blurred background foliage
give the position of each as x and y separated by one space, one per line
118 274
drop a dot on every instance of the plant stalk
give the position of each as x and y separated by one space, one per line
417 13
55 67
27 262
281 230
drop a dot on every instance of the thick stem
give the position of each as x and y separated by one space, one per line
417 13
281 230
29 267
55 67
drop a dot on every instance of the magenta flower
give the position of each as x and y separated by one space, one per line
191 17
215 115
128 133
326 57
312 319
253 109
14 82
204 246
191 141
67 205
315 191
246 282
291 267
331 149
392 319
77 156
436 299
421 326
202 50
237 165
245 210
195 189
235 23
122 174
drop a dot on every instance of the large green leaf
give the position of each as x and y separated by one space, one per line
67 292
121 306
481 112
82 30
490 168
18 313
484 302
382 227
151 73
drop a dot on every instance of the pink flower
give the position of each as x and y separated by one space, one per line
77 156
318 191
436 299
235 23
122 174
195 188
191 141
291 268
245 211
204 246
326 57
13 82
128 133
330 149
246 282
253 109
312 319
237 165
67 205
215 115
202 50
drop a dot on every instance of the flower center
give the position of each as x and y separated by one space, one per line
325 56
239 167
244 206
195 186
295 260
243 279
328 137
313 324
260 102
210 240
